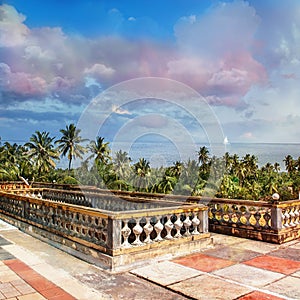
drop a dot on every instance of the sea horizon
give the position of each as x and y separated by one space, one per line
165 153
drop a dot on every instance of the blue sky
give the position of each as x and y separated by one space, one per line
242 57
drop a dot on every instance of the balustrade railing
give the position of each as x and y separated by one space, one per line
157 226
107 231
241 214
276 222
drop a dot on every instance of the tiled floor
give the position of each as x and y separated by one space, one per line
19 281
233 269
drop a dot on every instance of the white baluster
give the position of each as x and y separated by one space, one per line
178 225
187 224
169 226
292 215
287 217
195 222
137 230
158 228
125 231
148 228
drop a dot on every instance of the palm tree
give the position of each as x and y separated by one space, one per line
10 152
203 157
228 162
42 151
166 185
276 167
121 164
188 178
142 171
175 170
289 163
100 150
69 143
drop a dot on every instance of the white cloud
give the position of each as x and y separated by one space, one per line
99 70
118 110
12 30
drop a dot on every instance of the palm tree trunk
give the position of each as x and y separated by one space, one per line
70 162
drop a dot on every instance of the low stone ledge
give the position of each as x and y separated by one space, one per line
270 236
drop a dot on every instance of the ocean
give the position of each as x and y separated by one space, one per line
166 153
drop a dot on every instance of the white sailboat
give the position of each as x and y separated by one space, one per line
226 141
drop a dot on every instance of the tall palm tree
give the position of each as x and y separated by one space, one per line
289 163
42 151
69 143
203 156
142 172
99 149
228 161
121 164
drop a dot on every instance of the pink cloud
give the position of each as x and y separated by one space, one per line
22 83
218 62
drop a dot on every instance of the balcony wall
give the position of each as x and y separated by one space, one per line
270 222
106 230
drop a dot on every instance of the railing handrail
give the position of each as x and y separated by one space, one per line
184 207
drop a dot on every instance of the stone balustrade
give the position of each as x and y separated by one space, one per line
138 226
67 220
163 225
271 222
118 228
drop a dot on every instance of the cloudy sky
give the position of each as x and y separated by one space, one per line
242 57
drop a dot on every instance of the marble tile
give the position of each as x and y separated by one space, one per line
166 272
208 288
3 241
275 264
288 253
296 274
232 253
258 246
203 262
288 286
256 295
222 239
249 275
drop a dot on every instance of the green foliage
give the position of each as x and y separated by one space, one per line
228 177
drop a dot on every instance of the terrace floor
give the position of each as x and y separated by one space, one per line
233 268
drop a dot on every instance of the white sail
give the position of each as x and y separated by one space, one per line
226 142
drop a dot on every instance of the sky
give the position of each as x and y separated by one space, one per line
242 57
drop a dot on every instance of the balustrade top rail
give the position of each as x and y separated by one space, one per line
103 200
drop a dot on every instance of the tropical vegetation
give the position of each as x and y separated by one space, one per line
229 176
